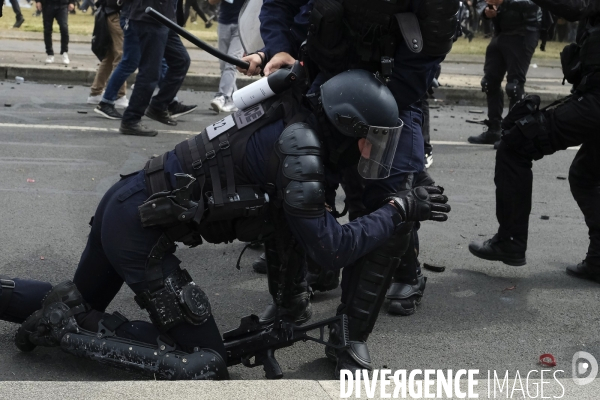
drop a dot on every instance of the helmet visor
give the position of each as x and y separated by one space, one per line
377 153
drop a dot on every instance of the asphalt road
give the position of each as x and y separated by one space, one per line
477 314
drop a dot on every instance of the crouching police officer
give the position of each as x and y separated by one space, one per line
261 173
404 41
531 133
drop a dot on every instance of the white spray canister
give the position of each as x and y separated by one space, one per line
264 88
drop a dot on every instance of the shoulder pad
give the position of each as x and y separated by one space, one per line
303 168
305 199
299 139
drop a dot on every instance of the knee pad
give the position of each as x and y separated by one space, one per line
489 87
515 91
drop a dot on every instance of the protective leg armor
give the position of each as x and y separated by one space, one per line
161 361
371 277
55 325
408 284
287 286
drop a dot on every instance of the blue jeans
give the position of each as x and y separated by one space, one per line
129 61
156 42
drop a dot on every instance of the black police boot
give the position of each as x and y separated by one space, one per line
260 264
585 270
287 286
489 136
137 129
47 326
354 358
297 309
499 249
163 117
321 279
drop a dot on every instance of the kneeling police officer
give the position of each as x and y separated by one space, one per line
262 173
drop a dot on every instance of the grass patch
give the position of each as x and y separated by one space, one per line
83 24
479 44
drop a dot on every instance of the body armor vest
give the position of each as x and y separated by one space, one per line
222 196
358 34
512 20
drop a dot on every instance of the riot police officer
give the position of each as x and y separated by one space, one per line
516 34
262 173
531 133
404 41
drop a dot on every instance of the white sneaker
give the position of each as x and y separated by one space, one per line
217 103
94 99
66 58
122 102
49 59
229 106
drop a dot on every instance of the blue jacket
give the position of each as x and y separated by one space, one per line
327 242
281 25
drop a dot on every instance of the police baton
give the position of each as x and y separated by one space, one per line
203 45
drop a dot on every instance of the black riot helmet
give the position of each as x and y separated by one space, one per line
359 105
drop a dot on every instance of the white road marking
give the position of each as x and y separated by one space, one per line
82 128
98 129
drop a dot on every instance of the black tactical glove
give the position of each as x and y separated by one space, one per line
421 204
527 106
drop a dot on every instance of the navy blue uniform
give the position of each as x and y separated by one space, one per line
412 73
118 245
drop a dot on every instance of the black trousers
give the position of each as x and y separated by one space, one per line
16 8
156 41
508 55
50 12
571 124
193 4
116 253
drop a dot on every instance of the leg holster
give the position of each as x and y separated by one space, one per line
530 136
179 300
161 361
